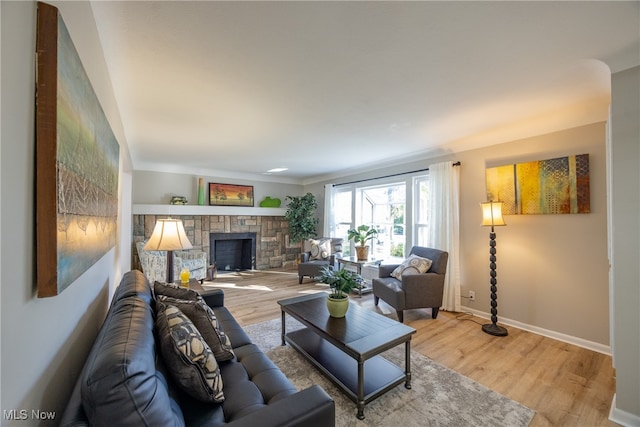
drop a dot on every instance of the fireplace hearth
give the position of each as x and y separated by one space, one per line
233 251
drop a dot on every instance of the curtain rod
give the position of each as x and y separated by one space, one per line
387 176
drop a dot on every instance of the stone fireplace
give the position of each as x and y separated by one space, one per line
232 251
269 247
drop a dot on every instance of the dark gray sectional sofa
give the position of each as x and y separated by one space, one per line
125 382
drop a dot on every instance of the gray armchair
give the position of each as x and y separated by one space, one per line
423 290
312 267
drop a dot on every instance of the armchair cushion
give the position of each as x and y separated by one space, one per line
412 265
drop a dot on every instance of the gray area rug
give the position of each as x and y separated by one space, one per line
439 396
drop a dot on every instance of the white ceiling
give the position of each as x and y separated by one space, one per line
219 88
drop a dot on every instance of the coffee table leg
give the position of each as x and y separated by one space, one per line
283 328
360 414
407 362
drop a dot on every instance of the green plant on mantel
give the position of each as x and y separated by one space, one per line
301 216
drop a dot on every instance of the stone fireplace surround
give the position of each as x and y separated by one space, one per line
272 235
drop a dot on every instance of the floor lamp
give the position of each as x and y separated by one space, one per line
168 235
492 216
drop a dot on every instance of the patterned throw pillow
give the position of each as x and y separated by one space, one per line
206 322
320 249
187 356
412 265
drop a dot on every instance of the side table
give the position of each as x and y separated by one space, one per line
354 261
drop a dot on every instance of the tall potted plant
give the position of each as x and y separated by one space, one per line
362 234
301 216
341 282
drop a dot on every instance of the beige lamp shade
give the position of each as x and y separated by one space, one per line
168 235
492 214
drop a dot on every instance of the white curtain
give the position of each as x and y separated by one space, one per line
328 226
444 225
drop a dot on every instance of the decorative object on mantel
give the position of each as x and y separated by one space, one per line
168 235
553 186
201 191
77 159
268 202
179 200
492 216
230 194
362 235
341 282
301 216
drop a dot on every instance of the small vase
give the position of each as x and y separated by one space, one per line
201 191
337 306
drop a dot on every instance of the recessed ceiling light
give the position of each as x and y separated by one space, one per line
277 170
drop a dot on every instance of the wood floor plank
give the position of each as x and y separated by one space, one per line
566 385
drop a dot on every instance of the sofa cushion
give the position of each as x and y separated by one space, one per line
206 322
412 265
320 249
187 355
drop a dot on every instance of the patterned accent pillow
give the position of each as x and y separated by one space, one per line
187 356
206 322
175 291
412 265
320 249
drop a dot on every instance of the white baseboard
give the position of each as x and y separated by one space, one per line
600 348
621 417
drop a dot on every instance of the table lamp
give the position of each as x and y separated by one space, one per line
492 216
168 235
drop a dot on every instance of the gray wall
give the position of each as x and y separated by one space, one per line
45 341
552 269
158 187
625 197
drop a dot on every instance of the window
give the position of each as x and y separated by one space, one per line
421 222
383 207
342 216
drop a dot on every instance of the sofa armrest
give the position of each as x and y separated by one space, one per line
309 407
304 257
213 297
384 270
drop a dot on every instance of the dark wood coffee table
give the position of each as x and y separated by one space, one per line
346 349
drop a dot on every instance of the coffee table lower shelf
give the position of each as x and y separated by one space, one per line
342 369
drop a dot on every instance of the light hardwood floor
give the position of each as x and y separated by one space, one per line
566 385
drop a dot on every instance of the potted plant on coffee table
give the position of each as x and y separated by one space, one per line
341 282
362 235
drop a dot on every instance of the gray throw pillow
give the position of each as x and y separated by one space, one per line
175 291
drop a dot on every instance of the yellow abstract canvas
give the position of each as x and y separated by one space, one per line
553 186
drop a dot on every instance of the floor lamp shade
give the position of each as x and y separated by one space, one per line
492 216
168 235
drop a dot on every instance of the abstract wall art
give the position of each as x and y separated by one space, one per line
77 163
553 186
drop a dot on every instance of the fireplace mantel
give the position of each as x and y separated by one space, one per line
205 210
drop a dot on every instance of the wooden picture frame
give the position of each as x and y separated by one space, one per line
230 194
77 162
